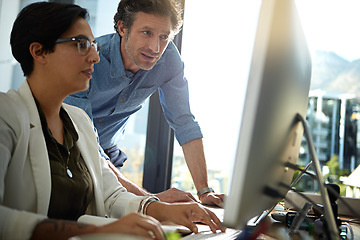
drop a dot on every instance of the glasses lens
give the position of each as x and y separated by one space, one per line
96 46
84 45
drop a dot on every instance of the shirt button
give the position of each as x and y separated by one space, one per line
121 99
100 120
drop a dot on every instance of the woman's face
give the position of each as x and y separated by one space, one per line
71 70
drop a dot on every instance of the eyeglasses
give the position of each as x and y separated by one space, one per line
83 44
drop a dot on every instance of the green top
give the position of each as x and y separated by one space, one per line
71 191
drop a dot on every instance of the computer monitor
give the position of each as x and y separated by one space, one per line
270 136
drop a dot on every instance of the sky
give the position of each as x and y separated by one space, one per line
332 25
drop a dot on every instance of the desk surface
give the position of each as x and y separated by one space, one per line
279 230
275 229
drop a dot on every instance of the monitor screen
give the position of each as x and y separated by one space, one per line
270 136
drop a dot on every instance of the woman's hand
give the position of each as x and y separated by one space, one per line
173 195
132 224
135 224
186 214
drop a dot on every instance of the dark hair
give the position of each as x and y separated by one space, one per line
127 10
41 22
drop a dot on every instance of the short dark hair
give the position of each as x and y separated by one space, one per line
41 22
127 10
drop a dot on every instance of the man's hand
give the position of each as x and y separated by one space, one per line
175 195
213 199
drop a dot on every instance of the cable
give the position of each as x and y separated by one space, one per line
354 221
315 205
329 189
303 170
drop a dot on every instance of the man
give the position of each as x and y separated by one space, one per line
136 61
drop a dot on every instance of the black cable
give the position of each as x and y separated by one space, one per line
302 172
296 167
329 189
303 196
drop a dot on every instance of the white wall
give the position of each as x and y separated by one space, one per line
8 11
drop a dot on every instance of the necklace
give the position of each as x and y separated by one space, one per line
68 172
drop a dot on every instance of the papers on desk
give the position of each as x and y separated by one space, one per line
95 220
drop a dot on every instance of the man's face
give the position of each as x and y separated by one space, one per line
143 44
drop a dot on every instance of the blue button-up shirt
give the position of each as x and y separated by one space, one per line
114 93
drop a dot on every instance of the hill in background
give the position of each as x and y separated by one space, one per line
333 73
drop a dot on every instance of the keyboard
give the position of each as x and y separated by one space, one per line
230 234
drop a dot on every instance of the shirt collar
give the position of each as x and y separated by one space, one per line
68 125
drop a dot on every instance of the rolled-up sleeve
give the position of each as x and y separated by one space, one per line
174 98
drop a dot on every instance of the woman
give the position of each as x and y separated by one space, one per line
51 172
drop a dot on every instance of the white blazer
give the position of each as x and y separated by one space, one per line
25 178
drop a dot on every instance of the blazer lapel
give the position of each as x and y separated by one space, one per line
37 152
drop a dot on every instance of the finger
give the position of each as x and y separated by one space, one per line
211 199
203 216
208 221
194 228
152 227
140 231
152 235
221 196
190 225
216 220
155 233
219 202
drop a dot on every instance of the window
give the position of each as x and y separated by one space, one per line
334 104
216 48
133 144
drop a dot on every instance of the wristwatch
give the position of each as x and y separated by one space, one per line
204 190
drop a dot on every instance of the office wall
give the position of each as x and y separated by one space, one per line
8 12
11 73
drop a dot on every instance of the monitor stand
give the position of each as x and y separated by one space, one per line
257 219
328 213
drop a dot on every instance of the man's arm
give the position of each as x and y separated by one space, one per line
172 195
195 160
130 186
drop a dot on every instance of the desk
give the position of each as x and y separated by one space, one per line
275 230
279 230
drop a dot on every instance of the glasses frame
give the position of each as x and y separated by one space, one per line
77 39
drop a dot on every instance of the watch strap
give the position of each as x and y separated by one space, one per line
204 190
